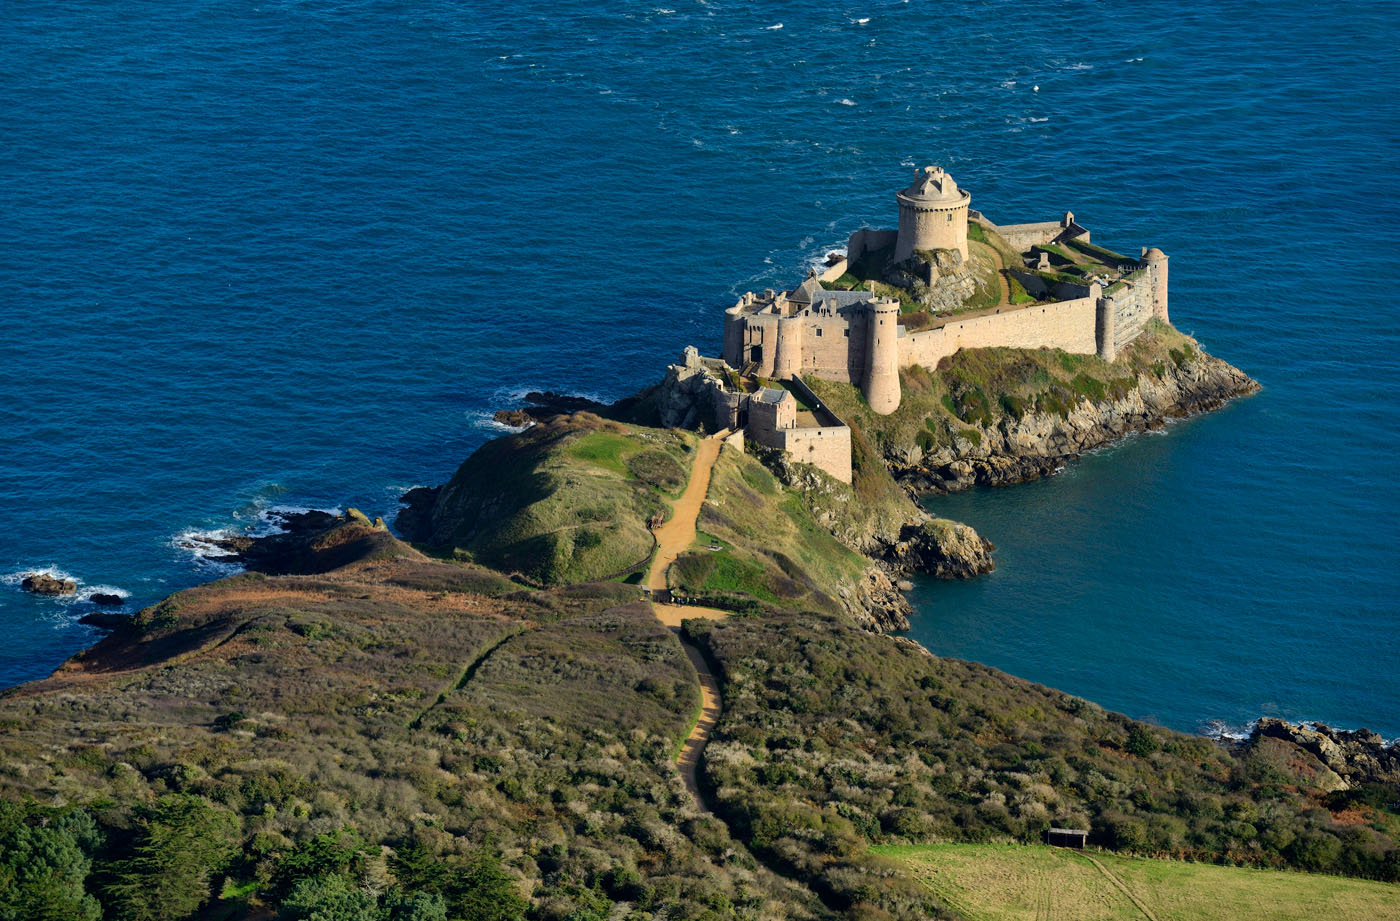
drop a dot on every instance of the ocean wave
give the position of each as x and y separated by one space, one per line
488 422
200 545
773 28
846 102
1224 730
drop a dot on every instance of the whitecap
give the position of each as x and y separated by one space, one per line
862 21
82 590
846 102
1033 119
488 422
774 28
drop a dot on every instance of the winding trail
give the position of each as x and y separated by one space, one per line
672 539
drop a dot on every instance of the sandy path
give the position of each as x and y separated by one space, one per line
675 536
672 539
689 760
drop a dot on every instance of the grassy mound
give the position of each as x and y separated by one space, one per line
771 554
565 501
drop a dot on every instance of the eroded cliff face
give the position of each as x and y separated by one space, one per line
1350 758
1013 450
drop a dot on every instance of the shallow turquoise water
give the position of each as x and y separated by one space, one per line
296 252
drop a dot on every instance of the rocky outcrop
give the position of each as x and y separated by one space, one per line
1357 757
1014 450
106 620
307 542
875 602
106 599
685 398
42 583
941 548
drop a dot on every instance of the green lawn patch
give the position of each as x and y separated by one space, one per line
1007 882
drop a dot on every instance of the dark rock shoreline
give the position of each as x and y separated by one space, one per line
1356 757
1040 444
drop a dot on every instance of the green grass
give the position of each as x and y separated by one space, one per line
563 502
996 882
604 449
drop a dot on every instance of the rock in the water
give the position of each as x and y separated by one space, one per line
105 620
41 583
515 418
106 600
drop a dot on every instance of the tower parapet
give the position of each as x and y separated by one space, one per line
932 214
881 384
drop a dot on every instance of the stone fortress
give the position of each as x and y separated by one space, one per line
855 322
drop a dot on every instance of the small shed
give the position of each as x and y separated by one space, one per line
1067 837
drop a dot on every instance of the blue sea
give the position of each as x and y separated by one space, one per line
258 255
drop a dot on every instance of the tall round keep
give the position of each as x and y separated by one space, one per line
787 362
734 336
881 384
1156 263
932 214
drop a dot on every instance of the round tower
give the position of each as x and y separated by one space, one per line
932 214
734 336
787 360
882 357
1155 261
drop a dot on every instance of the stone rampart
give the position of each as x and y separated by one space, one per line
1131 302
828 447
1068 325
868 241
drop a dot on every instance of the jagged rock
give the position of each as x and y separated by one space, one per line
515 418
1357 757
876 604
945 549
105 620
685 399
41 583
105 599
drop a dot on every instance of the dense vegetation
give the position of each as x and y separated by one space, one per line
398 739
833 739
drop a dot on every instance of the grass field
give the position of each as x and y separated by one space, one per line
1009 882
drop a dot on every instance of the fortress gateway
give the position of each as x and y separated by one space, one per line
947 279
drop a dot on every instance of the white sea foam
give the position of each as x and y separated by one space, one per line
1037 120
79 595
486 421
846 102
259 519
774 28
862 21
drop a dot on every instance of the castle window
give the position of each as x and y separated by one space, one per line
819 332
847 332
950 216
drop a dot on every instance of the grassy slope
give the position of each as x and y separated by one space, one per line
832 739
773 555
983 386
567 501
992 882
415 701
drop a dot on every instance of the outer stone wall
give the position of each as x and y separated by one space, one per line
1068 325
1131 304
828 448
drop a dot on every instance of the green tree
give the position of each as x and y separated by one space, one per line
331 853
330 898
479 888
181 841
44 864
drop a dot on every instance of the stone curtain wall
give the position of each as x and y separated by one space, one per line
1023 236
834 347
1131 304
1068 325
864 241
828 447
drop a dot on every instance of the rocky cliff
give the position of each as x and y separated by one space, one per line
1351 758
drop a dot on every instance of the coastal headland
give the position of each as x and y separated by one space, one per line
481 716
